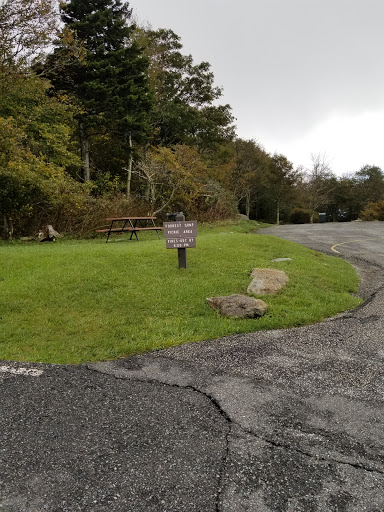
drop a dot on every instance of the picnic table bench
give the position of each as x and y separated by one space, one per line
131 225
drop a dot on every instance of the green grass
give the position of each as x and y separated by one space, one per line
77 301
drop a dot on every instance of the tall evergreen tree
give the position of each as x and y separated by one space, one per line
106 78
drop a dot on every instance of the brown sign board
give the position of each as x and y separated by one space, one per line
181 243
180 229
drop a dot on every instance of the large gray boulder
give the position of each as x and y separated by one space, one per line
238 306
267 281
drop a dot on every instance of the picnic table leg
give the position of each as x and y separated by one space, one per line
157 231
109 232
133 232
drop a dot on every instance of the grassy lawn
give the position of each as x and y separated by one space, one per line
77 301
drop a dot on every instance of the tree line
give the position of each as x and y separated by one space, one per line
101 116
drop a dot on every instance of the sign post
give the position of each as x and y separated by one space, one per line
182 257
180 234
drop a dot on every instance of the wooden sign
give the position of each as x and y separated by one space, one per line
180 229
181 243
181 235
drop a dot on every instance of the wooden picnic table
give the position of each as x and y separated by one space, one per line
131 225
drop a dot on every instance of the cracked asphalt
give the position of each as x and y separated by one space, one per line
280 421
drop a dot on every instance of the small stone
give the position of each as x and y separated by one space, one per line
267 281
282 259
238 306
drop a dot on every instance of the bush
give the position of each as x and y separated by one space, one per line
373 211
300 216
81 214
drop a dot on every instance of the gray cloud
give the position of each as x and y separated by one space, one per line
285 65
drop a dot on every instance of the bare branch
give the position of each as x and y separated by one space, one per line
26 29
165 204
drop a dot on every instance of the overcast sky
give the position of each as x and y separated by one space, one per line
302 76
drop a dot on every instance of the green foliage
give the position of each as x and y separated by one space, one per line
280 184
184 95
373 211
178 178
108 80
35 146
99 283
26 28
45 122
370 180
248 176
200 195
300 216
144 118
24 177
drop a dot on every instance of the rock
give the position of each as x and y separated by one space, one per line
282 259
242 216
238 306
267 281
47 234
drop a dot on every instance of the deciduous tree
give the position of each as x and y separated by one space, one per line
185 109
370 179
318 184
26 29
35 148
248 178
281 179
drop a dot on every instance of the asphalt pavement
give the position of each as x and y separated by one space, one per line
280 421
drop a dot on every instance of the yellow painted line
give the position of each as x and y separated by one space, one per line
349 242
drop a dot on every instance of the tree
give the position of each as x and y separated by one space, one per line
45 122
318 184
108 80
28 183
251 164
370 181
184 95
35 148
281 179
26 29
162 174
345 198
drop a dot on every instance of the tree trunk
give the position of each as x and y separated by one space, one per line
278 212
247 203
6 228
153 195
84 138
129 170
148 191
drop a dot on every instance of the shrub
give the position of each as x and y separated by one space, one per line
373 211
300 216
80 214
